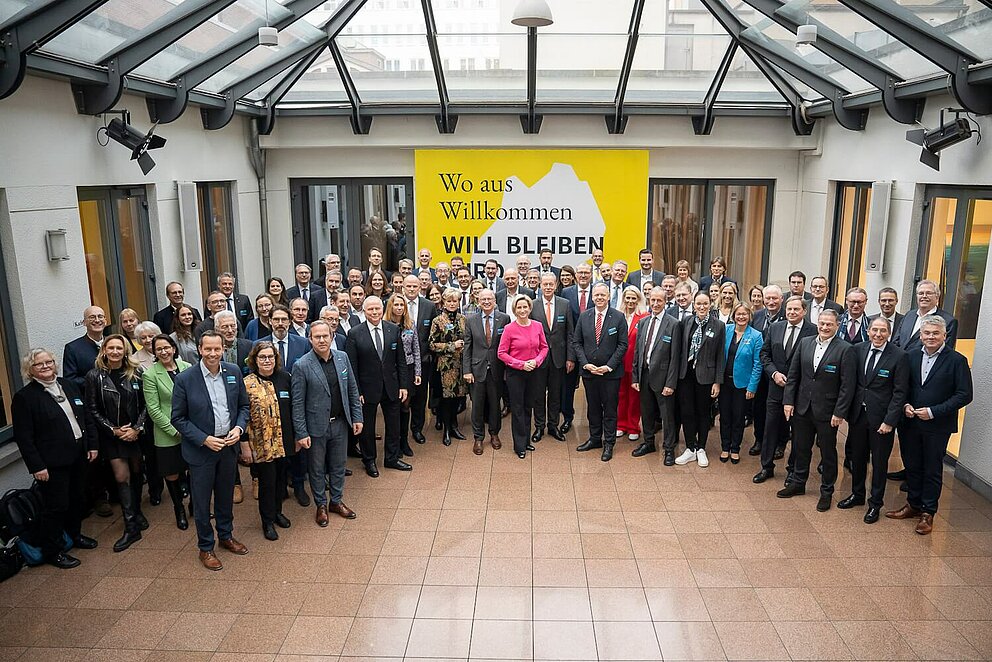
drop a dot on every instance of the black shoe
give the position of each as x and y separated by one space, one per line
537 436
142 521
407 451
819 468
848 465
555 433
669 458
725 459
607 453
531 448
446 439
565 427
904 486
64 561
762 476
182 523
155 498
755 450
282 521
791 490
896 475
522 455
823 505
269 532
419 438
872 514
84 542
302 497
779 453
850 502
353 452
589 445
399 465
504 412
735 460
347 472
437 423
643 449
457 434
371 470
127 540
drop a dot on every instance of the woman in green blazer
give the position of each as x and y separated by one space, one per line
157 383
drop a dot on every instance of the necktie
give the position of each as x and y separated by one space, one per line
547 312
599 326
768 318
649 344
305 293
582 301
616 296
489 329
790 343
871 361
230 305
282 353
377 339
851 329
464 300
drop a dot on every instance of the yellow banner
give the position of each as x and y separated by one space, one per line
500 204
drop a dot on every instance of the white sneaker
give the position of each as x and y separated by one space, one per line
634 437
686 457
619 434
702 459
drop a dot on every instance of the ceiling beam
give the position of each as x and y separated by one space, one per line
617 121
361 123
702 124
275 95
531 121
802 125
445 120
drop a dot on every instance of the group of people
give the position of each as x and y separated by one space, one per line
292 385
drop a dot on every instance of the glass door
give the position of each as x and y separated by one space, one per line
675 229
847 258
216 233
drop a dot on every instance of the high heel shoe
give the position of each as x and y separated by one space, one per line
522 455
724 456
735 460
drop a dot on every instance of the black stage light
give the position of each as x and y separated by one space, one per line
947 134
120 131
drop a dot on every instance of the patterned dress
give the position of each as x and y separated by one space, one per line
264 421
445 330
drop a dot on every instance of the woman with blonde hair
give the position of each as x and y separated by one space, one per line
127 321
682 270
726 302
398 312
447 338
629 407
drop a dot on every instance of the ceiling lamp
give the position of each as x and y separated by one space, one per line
532 14
267 35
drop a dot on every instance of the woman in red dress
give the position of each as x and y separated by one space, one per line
629 409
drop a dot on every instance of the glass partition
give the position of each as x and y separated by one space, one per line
847 259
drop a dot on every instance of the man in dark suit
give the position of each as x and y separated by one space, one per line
579 297
657 359
236 350
545 258
682 309
376 354
550 375
617 283
210 411
762 321
907 335
422 312
797 285
883 384
819 301
483 371
781 341
79 355
237 303
305 287
299 314
647 271
327 295
491 278
939 386
216 303
504 298
599 343
424 258
853 323
176 294
289 346
888 299
326 409
819 391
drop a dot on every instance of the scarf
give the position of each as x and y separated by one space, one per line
697 339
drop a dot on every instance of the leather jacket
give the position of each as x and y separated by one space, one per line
108 408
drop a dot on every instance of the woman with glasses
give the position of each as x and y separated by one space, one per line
260 326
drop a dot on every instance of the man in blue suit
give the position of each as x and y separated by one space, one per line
290 346
210 411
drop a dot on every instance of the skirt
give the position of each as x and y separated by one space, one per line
113 448
170 460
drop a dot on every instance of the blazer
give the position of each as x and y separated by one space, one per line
242 309
78 358
501 296
827 305
663 367
896 323
948 388
828 390
612 342
41 430
426 312
711 360
416 272
296 292
318 300
747 360
571 294
881 393
244 349
296 347
909 341
378 379
859 337
193 413
478 358
255 330
559 337
163 319
762 322
339 339
635 278
774 357
707 280
157 386
499 285
673 312
312 396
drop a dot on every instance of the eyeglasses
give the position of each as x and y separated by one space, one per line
44 364
96 317
265 358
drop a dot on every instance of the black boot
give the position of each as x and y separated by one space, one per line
132 533
177 504
139 516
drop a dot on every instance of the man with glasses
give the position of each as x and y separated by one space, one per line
216 303
888 299
304 288
176 294
818 287
291 347
326 296
79 356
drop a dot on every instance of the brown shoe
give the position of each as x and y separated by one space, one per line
495 442
321 516
906 512
477 447
210 561
239 494
234 546
925 525
342 510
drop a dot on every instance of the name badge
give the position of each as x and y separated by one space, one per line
667 339
449 326
244 312
427 322
560 318
499 331
709 334
135 386
77 402
883 373
284 395
231 379
612 331
830 368
393 346
746 342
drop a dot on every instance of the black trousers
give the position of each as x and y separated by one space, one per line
923 452
808 431
298 465
522 386
569 385
271 484
658 410
603 399
733 407
486 406
866 441
214 479
418 398
776 436
391 435
63 508
694 409
758 407
149 462
547 401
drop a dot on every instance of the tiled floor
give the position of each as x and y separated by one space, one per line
558 557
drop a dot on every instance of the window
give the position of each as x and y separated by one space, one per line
216 232
467 64
9 358
847 256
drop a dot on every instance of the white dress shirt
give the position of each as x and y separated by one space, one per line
819 349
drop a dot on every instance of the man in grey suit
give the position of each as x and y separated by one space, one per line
325 409
482 370
553 314
647 271
656 374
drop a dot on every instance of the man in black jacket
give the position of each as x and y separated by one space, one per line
657 360
762 321
79 356
883 382
422 312
483 370
819 391
176 294
237 303
561 359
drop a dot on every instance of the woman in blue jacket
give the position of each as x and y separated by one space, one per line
740 381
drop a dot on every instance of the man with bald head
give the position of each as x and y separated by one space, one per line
79 356
504 298
422 312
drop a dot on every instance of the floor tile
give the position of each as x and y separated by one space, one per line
317 635
619 604
255 633
751 641
197 632
564 640
434 638
502 640
936 640
378 637
626 641
561 604
512 603
877 640
389 601
812 641
689 641
447 602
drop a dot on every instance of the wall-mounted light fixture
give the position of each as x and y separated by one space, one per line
57 243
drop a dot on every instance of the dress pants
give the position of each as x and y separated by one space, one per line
603 400
759 410
214 478
271 481
522 388
298 465
733 407
865 440
807 431
418 398
547 400
149 463
328 455
485 406
569 385
776 435
63 508
657 408
923 452
694 408
391 434
628 407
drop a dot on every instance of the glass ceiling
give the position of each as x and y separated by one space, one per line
483 59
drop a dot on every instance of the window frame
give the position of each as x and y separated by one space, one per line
211 270
10 347
859 230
